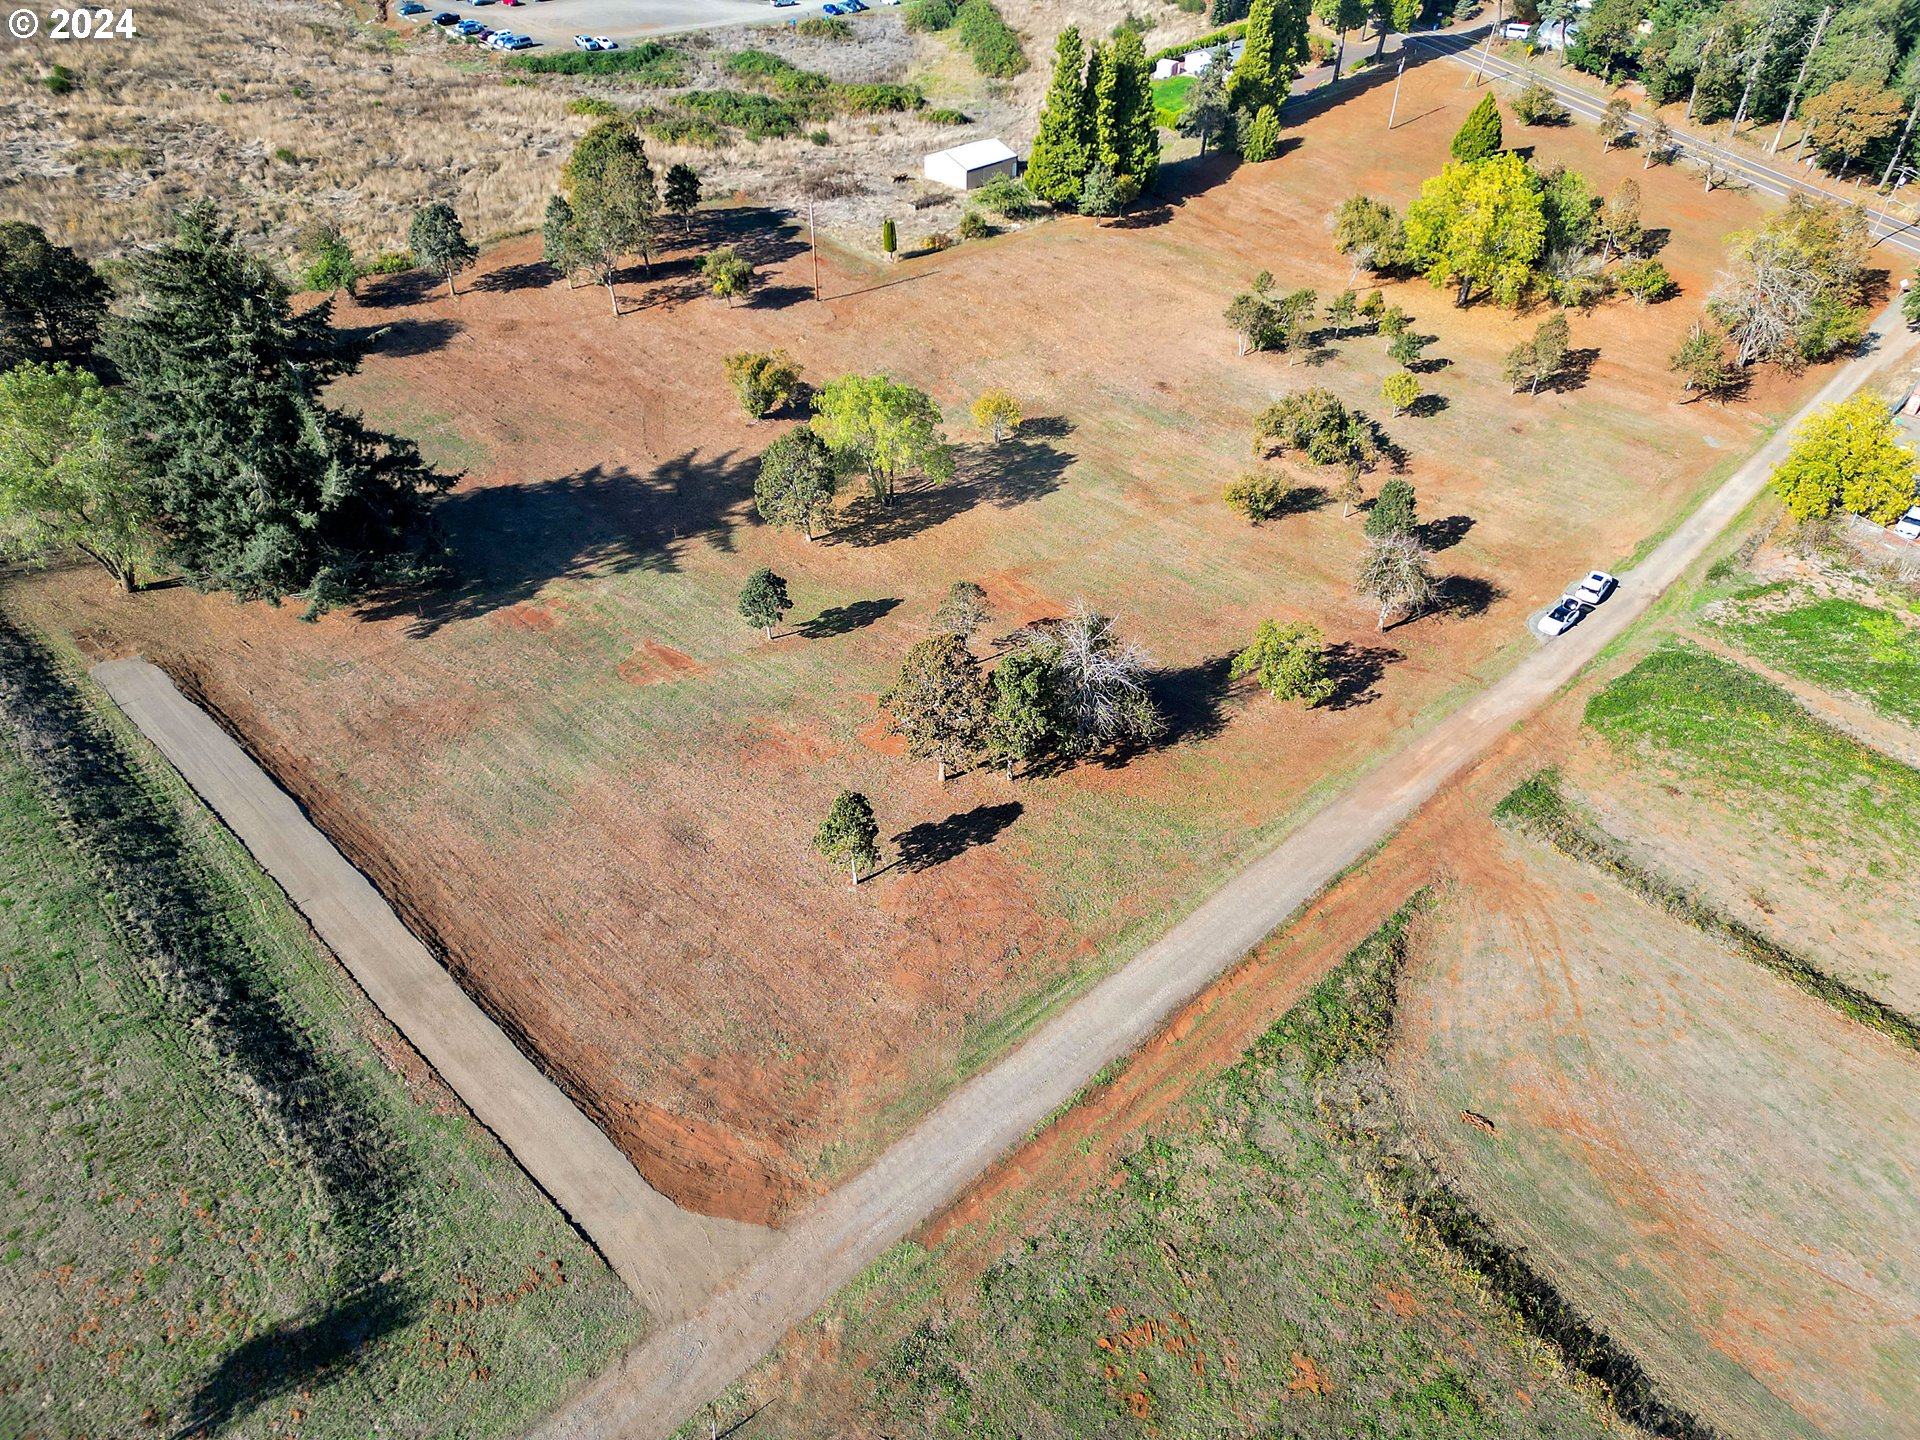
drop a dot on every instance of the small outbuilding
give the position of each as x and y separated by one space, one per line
969 166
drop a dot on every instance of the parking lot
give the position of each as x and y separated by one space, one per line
554 23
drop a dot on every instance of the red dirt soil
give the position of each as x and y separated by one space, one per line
584 781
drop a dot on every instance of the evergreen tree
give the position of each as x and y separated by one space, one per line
1127 135
615 199
796 481
1480 136
849 833
438 242
1289 661
1260 140
1023 714
1276 40
1206 112
764 599
52 303
559 240
1058 164
683 193
257 487
1392 512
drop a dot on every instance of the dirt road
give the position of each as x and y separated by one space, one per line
671 1258
661 1382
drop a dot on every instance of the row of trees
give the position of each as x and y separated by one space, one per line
609 208
1098 145
191 433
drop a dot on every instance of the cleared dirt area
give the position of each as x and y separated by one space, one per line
1698 1154
619 870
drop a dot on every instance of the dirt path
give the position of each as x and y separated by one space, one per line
671 1258
661 1382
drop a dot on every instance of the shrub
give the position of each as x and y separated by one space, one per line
819 137
944 116
593 105
651 61
889 236
1007 198
394 262
762 117
825 27
1645 280
692 130
1258 495
929 14
286 156
58 80
765 380
994 45
877 99
1260 140
777 73
936 242
1536 105
974 226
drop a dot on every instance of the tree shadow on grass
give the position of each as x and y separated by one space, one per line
528 275
844 619
1427 406
409 287
934 842
1193 699
507 542
1466 596
295 1356
1002 474
1445 533
1574 372
416 335
1356 671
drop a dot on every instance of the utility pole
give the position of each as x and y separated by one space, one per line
1901 148
1819 29
1485 50
1394 108
813 244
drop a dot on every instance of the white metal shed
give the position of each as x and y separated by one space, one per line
968 167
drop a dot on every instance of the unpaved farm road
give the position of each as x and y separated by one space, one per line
662 1381
671 1258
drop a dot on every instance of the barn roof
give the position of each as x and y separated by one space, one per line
976 154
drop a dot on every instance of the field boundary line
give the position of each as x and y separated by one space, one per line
669 1257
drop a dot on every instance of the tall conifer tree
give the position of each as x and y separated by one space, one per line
1061 155
1128 138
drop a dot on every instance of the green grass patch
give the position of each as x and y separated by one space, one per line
981 30
649 62
1539 807
1170 97
760 117
221 1205
1231 1269
815 92
1839 645
1744 742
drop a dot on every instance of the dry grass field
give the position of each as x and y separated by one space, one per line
285 111
593 785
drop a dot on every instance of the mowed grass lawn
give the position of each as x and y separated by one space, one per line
596 786
1837 643
170 1251
1229 1276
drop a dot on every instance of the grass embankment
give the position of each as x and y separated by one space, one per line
219 1202
1838 644
1232 1274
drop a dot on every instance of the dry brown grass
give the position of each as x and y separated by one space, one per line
211 97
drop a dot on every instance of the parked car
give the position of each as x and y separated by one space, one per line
829 9
1564 616
469 26
585 42
413 7
1907 527
601 42
446 17
1514 30
784 4
1595 588
852 7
